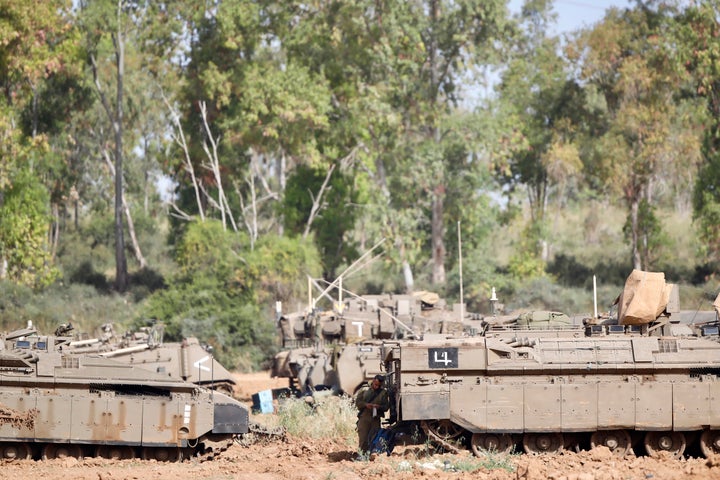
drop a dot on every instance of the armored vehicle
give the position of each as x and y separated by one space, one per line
54 404
340 348
187 360
637 380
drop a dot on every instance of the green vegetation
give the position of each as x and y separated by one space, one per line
331 418
193 163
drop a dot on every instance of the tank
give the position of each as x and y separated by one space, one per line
187 360
636 381
55 404
340 348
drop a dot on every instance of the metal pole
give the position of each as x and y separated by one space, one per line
462 301
595 296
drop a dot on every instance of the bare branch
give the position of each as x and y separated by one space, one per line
215 167
316 201
183 144
101 92
213 203
263 180
180 214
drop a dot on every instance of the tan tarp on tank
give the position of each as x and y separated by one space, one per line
644 298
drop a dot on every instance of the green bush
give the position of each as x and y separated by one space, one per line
331 418
224 291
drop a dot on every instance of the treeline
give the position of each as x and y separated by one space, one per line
199 160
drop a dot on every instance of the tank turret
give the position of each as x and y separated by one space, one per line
187 360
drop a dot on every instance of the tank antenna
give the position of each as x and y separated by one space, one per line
462 301
311 307
340 304
595 297
493 302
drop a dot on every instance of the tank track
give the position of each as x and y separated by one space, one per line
212 448
438 440
264 430
260 433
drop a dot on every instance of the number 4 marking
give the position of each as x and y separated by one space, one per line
444 358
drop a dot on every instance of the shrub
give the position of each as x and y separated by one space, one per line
331 417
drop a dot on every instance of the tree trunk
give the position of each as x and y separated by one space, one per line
54 230
121 273
131 225
635 237
280 165
406 267
438 194
438 237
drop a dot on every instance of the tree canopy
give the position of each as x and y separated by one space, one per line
203 159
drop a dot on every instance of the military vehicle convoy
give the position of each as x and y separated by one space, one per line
340 349
638 380
54 404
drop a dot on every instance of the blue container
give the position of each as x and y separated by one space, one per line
263 401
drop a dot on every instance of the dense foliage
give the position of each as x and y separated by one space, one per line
195 162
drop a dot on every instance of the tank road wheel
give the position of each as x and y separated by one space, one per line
15 451
618 441
61 450
443 433
161 454
493 442
656 442
710 443
445 429
537 443
115 452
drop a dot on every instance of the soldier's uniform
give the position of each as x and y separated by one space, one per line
369 417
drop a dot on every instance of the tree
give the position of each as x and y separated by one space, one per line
139 35
647 137
337 217
698 30
24 221
543 110
34 46
451 37
266 113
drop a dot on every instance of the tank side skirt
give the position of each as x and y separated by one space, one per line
505 404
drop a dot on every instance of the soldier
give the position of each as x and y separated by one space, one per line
372 402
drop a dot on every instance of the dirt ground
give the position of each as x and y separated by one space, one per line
295 459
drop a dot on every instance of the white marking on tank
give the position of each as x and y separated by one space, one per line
188 410
359 325
199 363
444 358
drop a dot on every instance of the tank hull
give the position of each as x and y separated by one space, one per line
54 404
553 393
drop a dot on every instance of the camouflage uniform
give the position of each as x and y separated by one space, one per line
368 417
